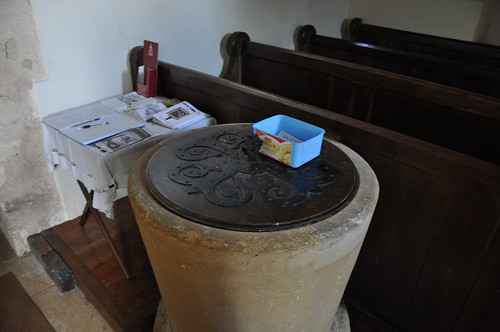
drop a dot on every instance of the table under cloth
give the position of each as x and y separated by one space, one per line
106 173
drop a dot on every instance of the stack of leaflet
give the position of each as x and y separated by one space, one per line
179 116
137 106
123 102
96 129
91 123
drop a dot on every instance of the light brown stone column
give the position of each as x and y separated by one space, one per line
213 279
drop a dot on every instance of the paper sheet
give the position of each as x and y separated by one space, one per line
77 116
100 129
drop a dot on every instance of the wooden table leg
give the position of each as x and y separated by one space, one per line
89 209
88 205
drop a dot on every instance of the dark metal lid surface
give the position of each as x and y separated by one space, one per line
215 176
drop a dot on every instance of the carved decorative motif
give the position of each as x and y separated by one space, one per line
216 176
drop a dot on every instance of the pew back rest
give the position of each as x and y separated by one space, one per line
465 51
231 102
453 118
440 70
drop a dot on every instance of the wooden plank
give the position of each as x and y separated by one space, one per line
454 260
484 55
362 280
450 72
483 303
441 162
415 214
80 237
126 304
111 309
376 79
362 320
413 107
134 292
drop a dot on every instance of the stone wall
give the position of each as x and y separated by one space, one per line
29 201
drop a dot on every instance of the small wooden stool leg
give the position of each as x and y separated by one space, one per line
108 238
88 205
86 211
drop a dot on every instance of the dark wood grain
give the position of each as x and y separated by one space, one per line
427 260
126 304
449 72
453 118
485 55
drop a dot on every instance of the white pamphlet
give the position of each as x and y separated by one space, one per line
99 129
179 115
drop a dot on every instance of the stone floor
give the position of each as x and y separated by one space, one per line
65 312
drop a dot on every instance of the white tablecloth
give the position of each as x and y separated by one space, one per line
104 173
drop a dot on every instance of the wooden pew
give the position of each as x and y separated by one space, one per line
452 118
430 258
484 55
440 70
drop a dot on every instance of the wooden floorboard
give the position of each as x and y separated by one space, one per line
126 304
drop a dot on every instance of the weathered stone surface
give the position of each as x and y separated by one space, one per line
53 264
340 323
28 198
220 280
20 39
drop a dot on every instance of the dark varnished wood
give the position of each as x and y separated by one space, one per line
484 55
126 304
217 177
431 68
427 260
135 60
457 119
88 209
234 49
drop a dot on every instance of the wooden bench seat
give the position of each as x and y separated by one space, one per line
485 55
453 118
431 68
430 258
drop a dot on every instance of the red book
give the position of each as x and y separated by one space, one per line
147 87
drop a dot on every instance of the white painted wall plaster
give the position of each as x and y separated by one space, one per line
86 44
446 18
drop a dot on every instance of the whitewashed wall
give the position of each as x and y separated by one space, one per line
86 43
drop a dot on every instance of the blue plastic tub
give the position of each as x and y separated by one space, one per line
288 140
